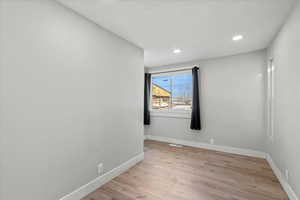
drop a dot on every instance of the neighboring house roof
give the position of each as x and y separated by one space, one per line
161 92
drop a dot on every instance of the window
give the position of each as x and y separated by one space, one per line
171 92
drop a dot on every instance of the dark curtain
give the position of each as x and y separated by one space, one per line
147 99
195 121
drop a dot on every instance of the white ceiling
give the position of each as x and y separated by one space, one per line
201 28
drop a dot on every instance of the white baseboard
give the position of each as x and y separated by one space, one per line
101 180
286 186
233 150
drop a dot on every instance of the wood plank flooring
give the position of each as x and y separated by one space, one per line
172 173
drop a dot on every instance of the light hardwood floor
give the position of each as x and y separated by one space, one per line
172 173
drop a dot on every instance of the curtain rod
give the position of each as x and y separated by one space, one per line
175 70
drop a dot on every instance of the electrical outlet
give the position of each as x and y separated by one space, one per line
287 174
100 168
212 141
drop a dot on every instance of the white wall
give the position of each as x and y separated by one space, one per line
285 149
65 100
232 103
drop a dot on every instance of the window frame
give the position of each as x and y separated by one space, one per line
169 113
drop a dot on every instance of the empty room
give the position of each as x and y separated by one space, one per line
149 99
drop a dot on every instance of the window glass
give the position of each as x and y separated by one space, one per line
172 92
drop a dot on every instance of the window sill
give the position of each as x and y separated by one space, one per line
186 115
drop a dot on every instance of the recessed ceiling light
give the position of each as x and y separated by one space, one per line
237 37
177 51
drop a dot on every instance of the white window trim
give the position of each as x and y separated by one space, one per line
185 115
168 113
